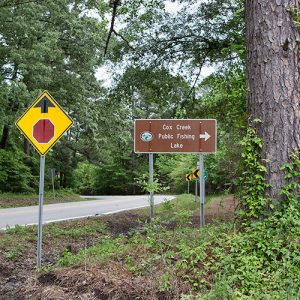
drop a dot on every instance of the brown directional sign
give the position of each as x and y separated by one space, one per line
175 136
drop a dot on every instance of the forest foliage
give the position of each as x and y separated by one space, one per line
153 63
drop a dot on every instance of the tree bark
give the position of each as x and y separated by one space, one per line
5 137
26 146
274 82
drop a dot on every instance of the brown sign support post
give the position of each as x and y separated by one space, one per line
176 136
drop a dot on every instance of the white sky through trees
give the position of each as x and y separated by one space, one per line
106 74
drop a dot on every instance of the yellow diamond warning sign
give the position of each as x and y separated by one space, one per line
44 123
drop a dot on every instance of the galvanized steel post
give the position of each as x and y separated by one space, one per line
41 200
196 190
202 190
151 185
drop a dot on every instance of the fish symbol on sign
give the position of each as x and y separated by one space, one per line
146 136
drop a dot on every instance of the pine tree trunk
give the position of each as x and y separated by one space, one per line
274 82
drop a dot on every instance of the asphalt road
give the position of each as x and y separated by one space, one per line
74 210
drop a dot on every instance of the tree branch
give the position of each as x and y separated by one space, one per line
199 73
123 38
114 4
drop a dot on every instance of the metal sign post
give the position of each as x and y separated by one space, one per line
43 124
202 190
41 200
53 182
151 185
196 190
188 178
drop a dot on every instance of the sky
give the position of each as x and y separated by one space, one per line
172 7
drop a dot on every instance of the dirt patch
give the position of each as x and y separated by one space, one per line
11 282
111 282
14 274
123 223
221 210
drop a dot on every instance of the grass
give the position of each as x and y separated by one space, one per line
108 247
97 254
9 200
91 228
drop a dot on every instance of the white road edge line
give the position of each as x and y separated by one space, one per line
81 217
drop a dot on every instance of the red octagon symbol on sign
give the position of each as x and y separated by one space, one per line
43 131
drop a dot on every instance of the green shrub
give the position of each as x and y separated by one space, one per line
15 176
263 260
84 178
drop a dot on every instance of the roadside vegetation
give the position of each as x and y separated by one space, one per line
126 257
